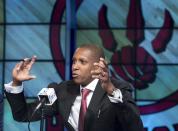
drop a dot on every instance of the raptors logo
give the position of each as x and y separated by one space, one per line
133 62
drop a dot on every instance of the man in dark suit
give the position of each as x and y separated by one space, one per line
109 103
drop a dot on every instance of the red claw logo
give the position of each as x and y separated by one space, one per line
134 63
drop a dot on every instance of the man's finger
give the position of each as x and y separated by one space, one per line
32 61
104 61
18 66
100 65
98 70
26 61
32 77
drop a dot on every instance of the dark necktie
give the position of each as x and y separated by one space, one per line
83 109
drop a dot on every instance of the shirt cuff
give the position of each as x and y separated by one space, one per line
13 89
117 97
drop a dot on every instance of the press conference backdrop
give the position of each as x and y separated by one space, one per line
139 38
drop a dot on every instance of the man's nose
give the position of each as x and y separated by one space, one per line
75 66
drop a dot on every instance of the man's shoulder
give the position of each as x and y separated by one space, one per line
68 86
67 83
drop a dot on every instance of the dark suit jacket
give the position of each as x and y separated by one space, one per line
102 115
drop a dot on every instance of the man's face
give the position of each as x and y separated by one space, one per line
82 66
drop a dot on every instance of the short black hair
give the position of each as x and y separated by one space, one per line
97 51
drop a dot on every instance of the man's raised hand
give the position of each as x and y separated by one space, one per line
21 71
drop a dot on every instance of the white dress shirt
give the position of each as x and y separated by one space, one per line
74 114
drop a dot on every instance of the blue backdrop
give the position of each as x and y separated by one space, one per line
139 38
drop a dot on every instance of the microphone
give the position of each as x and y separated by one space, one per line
46 96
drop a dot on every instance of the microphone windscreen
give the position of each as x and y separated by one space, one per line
48 93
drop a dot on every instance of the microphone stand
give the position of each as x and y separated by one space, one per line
42 105
42 119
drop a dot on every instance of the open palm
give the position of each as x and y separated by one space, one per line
21 71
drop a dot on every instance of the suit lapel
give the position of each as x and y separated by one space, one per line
68 97
94 106
98 94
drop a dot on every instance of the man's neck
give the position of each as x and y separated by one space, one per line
91 85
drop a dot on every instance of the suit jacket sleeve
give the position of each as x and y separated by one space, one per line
22 111
127 113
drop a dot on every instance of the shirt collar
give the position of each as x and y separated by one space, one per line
91 86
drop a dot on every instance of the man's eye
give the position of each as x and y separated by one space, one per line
83 62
